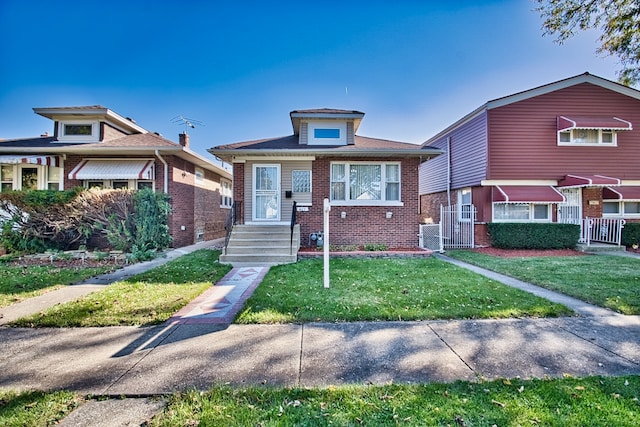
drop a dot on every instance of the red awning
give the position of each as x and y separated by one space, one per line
527 194
621 193
587 181
32 160
578 122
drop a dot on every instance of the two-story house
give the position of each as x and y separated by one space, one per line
94 146
372 185
560 152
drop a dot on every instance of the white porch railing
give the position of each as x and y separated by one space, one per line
601 230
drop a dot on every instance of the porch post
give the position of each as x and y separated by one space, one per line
327 209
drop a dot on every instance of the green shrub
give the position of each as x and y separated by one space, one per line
631 234
511 235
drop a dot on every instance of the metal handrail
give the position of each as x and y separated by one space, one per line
293 224
232 219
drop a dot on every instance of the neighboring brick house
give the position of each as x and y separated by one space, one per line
372 184
95 147
556 153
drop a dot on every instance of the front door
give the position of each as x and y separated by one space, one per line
266 192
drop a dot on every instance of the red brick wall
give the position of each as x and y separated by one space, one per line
364 224
181 191
430 207
209 217
593 209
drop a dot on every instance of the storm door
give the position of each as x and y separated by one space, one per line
570 211
266 192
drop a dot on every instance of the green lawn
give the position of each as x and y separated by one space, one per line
604 280
386 289
18 283
145 299
592 401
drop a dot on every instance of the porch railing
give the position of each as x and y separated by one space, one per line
232 219
293 224
602 230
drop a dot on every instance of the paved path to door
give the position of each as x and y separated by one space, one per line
220 303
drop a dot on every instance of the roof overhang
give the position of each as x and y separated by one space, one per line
325 114
230 156
579 122
526 194
87 113
621 193
577 181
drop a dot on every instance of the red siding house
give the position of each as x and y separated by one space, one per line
281 183
560 152
95 147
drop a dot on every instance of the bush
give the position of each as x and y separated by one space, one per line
631 234
510 235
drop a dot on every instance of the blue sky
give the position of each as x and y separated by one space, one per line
413 67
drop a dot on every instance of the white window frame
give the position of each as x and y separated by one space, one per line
107 184
326 124
198 176
574 141
465 212
531 212
383 181
621 209
226 194
12 177
95 131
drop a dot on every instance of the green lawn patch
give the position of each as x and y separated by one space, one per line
364 289
35 408
18 283
608 281
146 299
594 401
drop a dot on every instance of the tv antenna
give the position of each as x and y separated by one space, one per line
186 122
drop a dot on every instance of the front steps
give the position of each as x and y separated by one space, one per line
261 245
599 247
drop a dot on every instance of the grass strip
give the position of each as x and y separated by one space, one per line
36 408
145 299
364 289
18 283
604 280
593 401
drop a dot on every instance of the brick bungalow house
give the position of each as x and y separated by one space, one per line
95 147
372 185
561 152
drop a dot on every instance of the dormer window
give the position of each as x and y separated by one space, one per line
325 132
78 131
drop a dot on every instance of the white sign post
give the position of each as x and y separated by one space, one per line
327 209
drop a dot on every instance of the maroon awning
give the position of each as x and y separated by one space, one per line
578 122
588 181
621 193
526 194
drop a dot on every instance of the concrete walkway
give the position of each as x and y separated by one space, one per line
199 348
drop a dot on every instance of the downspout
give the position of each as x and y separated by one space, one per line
166 172
449 170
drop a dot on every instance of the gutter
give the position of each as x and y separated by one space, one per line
166 172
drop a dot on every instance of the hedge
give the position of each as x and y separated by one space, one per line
511 235
631 234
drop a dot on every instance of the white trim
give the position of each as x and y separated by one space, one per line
531 207
244 159
526 182
365 203
277 192
95 131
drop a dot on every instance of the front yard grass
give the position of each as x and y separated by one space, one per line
608 281
18 283
592 401
383 290
145 299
